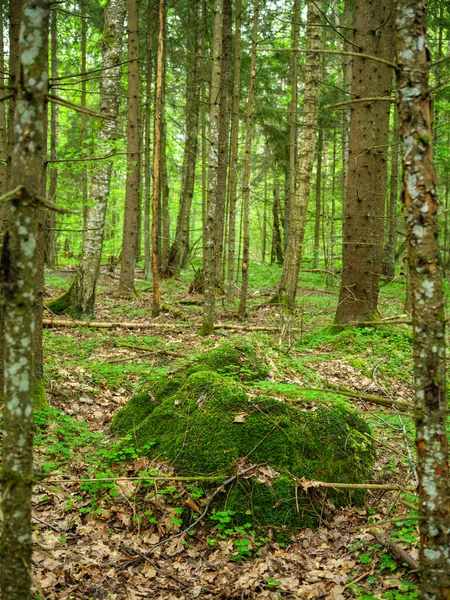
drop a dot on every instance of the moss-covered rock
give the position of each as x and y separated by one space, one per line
239 361
204 423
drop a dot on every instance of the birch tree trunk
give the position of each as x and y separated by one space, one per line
180 247
420 210
234 139
247 165
210 221
131 215
287 288
80 299
18 276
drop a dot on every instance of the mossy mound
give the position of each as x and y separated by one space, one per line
238 361
207 425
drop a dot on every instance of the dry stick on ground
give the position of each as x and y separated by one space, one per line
147 325
343 391
394 548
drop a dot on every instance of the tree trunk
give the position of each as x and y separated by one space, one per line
293 128
391 229
318 197
224 130
80 299
369 134
156 158
83 129
210 221
277 250
50 225
147 139
130 224
297 219
180 247
234 141
18 275
346 21
247 165
164 190
420 209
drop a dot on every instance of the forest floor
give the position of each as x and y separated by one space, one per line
100 539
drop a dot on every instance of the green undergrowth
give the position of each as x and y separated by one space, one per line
202 422
388 349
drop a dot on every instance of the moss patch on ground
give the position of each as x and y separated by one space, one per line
203 423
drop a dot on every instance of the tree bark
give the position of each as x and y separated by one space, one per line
210 220
369 134
247 165
287 288
317 217
18 276
156 159
50 224
277 250
420 209
131 215
391 229
293 127
80 299
234 141
224 131
180 247
147 139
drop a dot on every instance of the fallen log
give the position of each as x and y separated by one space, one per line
150 325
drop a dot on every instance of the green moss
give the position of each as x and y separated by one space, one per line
240 360
133 414
194 427
61 304
40 401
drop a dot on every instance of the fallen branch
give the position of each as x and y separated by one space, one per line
396 550
149 325
373 398
305 484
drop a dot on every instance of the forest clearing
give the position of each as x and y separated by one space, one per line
223 285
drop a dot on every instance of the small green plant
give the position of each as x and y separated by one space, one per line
243 547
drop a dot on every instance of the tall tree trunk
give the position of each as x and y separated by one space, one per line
369 134
83 116
180 247
346 21
317 217
130 224
277 251
156 158
247 165
234 140
3 131
420 209
391 229
293 128
50 234
81 295
164 190
224 131
210 221
18 274
147 138
287 288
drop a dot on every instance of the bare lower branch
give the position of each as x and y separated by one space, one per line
356 100
341 52
87 111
